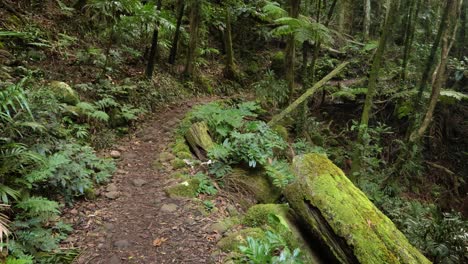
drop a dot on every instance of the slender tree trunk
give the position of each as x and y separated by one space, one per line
294 6
345 16
154 47
448 38
372 86
230 70
429 69
461 45
367 19
409 37
175 42
193 42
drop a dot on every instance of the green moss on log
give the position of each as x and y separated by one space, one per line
343 217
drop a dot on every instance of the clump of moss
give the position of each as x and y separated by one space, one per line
281 131
258 215
165 157
178 163
234 240
187 189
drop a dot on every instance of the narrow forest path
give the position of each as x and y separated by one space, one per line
132 220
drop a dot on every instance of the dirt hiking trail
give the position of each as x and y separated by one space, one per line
133 220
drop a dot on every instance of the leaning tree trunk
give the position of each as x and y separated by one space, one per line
154 47
175 42
193 42
294 6
372 86
447 42
342 218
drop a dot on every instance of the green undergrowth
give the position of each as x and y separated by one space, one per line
50 133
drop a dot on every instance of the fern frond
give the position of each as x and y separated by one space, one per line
39 207
4 228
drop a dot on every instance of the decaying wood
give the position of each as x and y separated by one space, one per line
199 139
340 215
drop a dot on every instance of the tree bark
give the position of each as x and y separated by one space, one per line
154 47
448 39
294 6
306 95
367 19
175 42
193 42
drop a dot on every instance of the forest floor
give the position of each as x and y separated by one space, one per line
132 220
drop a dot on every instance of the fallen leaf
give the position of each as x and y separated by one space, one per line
158 241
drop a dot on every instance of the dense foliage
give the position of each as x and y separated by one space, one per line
75 75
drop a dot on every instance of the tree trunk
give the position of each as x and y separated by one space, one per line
230 71
461 45
409 37
154 47
372 86
448 39
367 19
193 42
429 69
340 215
290 55
175 42
345 16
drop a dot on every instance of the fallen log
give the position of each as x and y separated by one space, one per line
343 218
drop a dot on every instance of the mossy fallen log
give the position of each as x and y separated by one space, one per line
198 138
343 218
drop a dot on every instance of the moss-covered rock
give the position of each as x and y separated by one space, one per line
234 240
343 218
255 183
187 189
225 224
281 131
64 93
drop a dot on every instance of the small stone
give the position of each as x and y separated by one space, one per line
114 260
112 188
138 182
115 154
112 195
169 208
122 244
74 212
